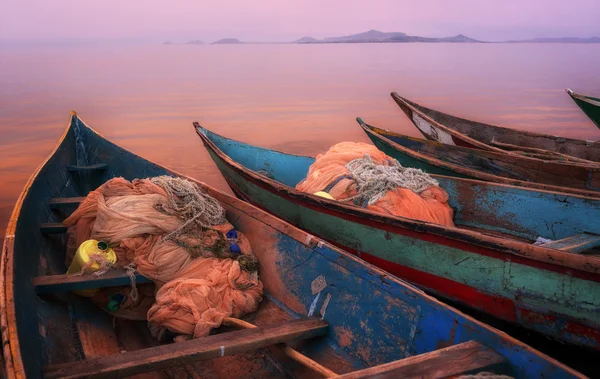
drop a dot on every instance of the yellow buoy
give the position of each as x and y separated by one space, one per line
324 194
82 258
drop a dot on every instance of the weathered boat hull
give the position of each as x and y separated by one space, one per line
47 332
451 130
589 105
436 158
514 281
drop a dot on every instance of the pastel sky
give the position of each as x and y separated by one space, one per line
283 20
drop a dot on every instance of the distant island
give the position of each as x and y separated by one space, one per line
376 36
227 41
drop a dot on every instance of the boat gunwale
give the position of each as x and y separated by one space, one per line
10 338
561 260
402 102
574 95
494 179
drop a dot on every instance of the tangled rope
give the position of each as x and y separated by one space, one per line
373 181
188 202
96 259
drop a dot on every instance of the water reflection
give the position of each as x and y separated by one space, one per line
294 98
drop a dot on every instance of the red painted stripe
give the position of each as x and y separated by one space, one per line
461 142
497 306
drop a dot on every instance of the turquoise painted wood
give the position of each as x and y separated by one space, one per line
373 317
504 275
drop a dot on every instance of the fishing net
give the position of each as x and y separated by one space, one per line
173 233
360 174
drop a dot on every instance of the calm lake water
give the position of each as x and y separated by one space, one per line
295 98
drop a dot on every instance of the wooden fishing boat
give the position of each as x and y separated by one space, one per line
457 131
321 314
589 105
463 162
488 262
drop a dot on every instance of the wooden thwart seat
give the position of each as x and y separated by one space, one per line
53 228
181 353
94 167
454 360
65 201
291 353
575 244
65 283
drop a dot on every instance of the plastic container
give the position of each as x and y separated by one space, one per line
82 257
324 194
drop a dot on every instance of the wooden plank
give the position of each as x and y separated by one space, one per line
291 353
94 167
181 353
454 360
575 244
542 153
68 283
65 201
53 228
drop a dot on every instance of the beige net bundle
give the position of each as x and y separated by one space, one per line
169 230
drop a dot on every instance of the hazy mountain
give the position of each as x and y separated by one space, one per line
560 40
375 36
167 43
459 38
196 42
227 41
306 40
370 36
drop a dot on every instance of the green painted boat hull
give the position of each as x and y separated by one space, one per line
589 105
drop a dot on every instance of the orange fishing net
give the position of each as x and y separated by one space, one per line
199 279
330 173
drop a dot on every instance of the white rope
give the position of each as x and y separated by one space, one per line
186 200
373 181
131 268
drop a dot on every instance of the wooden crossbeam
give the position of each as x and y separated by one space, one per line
53 228
454 360
58 202
290 352
575 244
67 283
542 153
181 353
94 167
